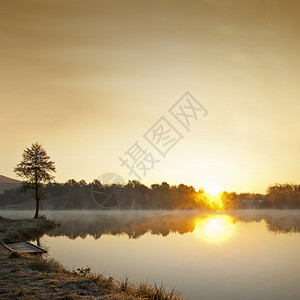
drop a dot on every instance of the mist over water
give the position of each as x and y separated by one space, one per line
242 254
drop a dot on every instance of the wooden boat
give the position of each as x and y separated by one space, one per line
24 247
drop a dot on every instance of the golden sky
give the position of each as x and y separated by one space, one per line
88 78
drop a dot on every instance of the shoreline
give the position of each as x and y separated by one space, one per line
33 277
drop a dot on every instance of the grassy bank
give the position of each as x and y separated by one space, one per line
31 277
14 231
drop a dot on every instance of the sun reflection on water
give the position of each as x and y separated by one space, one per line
215 229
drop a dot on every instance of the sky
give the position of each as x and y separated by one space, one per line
88 79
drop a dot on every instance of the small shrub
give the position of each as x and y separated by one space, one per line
84 271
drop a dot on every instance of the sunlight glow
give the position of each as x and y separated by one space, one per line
214 202
213 197
215 229
213 190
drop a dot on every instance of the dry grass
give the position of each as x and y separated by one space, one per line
28 277
146 291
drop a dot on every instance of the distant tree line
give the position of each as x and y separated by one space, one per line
78 195
283 196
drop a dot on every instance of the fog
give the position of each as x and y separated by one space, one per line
135 224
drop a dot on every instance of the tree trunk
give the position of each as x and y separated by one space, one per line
37 200
37 208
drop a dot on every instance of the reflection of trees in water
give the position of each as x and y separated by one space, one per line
276 221
136 224
284 224
133 224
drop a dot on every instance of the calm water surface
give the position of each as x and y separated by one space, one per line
246 254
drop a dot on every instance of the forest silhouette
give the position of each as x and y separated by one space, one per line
73 195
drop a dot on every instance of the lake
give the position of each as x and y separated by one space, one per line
243 254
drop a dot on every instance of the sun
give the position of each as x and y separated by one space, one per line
212 190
